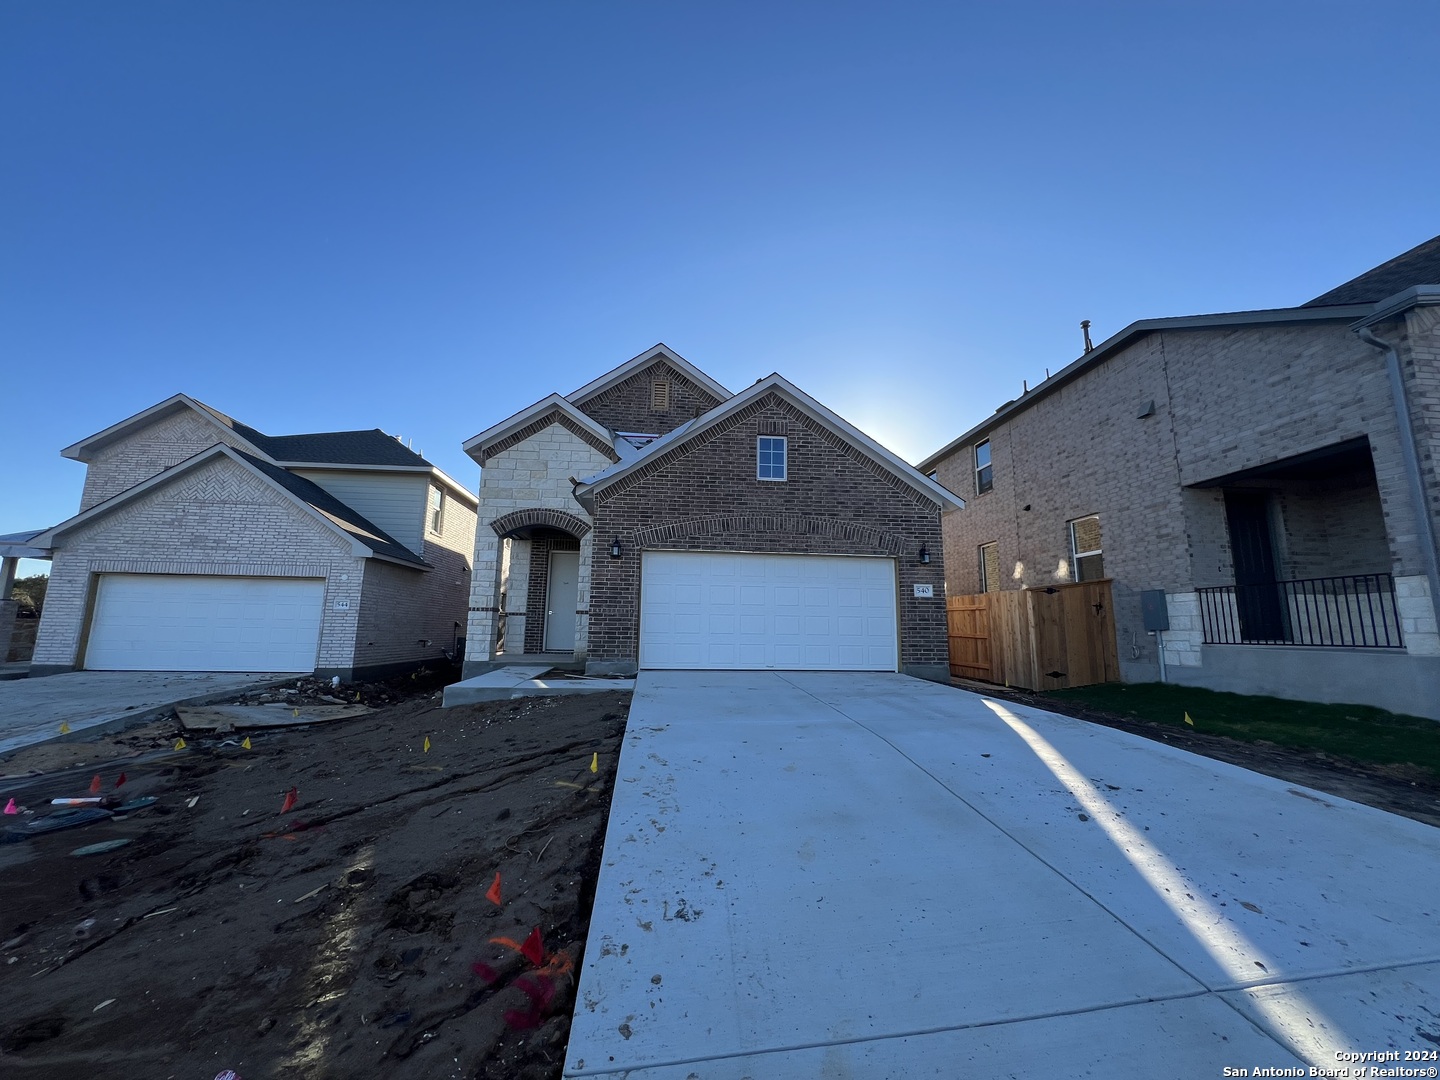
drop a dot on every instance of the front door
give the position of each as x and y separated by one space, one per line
1257 596
561 599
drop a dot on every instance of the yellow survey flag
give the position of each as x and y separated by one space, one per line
1188 720
179 744
427 744
64 728
594 762
246 743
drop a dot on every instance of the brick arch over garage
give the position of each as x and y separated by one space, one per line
798 526
531 517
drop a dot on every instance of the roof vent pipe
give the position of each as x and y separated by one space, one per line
1085 329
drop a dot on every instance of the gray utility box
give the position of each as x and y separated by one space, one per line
1153 611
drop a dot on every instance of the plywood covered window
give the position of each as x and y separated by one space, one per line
1085 558
990 567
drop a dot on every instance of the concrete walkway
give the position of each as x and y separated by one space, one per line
526 680
32 710
812 874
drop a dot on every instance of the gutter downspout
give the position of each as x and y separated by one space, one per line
1410 457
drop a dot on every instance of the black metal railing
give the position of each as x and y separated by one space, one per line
1356 612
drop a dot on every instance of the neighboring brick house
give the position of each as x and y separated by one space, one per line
653 519
203 544
1273 472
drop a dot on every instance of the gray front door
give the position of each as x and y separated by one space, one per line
561 599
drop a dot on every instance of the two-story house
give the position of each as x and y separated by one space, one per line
1272 473
653 519
202 544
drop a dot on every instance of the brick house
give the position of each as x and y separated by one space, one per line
1273 473
653 519
203 544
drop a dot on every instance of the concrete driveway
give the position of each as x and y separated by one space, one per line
32 710
854 875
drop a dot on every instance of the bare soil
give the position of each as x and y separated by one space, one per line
1400 789
348 936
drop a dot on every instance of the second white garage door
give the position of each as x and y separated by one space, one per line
816 612
161 622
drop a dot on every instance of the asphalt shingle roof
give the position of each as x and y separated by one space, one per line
352 522
1418 266
371 447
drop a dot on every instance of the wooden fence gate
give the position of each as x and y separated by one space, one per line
1038 639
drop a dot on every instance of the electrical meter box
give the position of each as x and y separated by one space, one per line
1153 611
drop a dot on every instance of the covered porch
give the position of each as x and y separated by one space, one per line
1311 563
539 610
13 548
1307 596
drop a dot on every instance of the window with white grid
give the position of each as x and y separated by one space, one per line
770 461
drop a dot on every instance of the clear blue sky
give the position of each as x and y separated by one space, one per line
424 216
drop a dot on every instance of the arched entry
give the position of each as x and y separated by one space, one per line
544 580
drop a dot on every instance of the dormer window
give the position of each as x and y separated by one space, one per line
660 396
435 517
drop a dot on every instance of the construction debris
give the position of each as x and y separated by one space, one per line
242 717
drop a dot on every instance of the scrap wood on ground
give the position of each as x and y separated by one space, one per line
414 912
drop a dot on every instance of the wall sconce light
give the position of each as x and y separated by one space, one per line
924 555
615 548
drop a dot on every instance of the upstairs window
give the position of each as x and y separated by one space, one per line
983 476
435 517
770 458
1085 557
659 396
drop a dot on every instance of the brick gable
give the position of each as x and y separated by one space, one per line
148 452
703 495
626 406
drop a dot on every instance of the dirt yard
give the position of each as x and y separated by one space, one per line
349 935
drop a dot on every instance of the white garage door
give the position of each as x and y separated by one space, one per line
819 612
157 622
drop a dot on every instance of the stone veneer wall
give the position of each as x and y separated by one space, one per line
532 474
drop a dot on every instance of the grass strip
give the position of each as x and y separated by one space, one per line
1359 732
